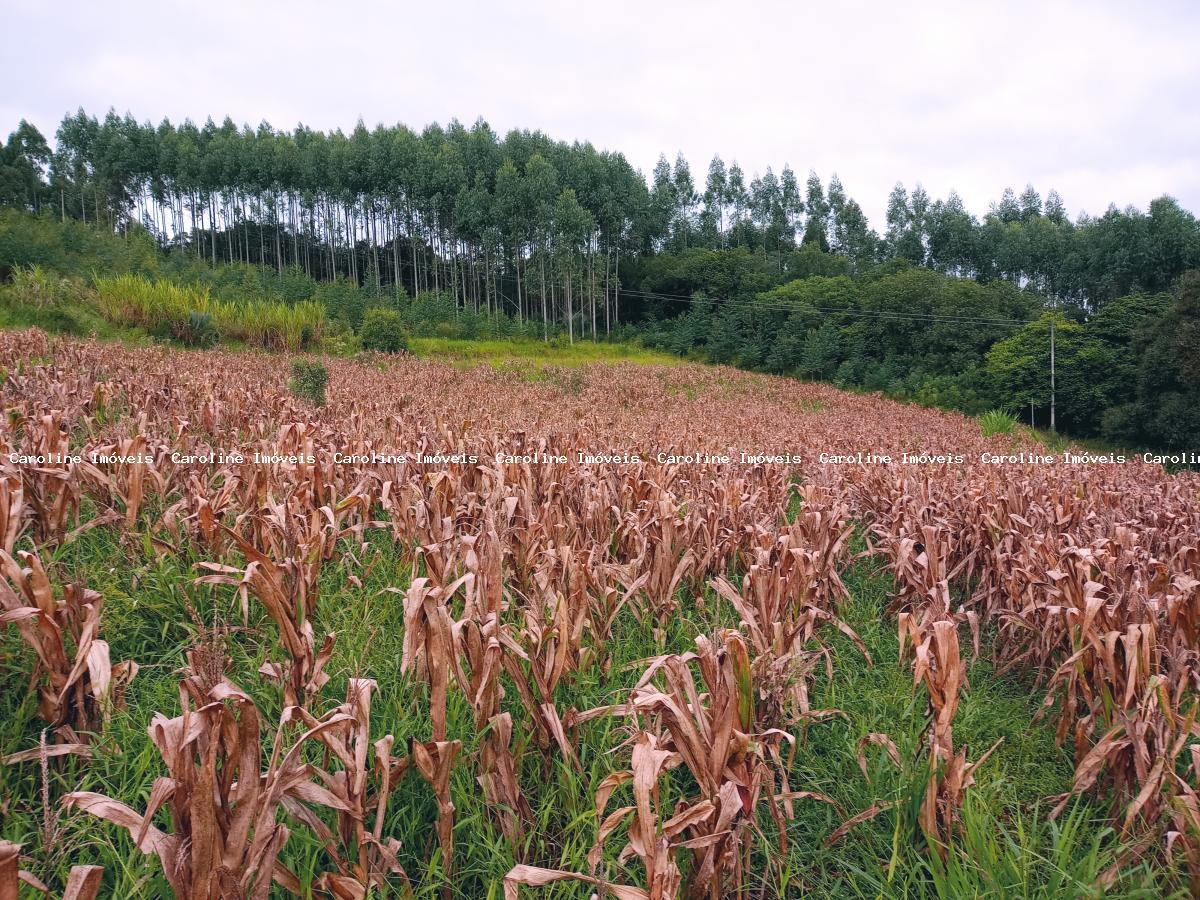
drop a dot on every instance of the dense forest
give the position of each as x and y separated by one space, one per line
763 270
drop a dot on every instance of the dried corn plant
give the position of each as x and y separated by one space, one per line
1081 599
779 630
13 518
1137 757
83 882
714 734
938 664
1183 834
77 682
1088 576
790 589
127 483
224 839
498 771
655 840
666 557
286 591
52 489
364 858
543 649
429 645
712 729
435 761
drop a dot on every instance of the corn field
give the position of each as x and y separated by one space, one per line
432 639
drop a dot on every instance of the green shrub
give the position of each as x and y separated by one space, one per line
997 421
342 300
200 331
309 380
383 330
340 340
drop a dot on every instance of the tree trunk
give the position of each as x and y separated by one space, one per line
617 288
570 310
278 247
607 319
396 251
517 269
542 292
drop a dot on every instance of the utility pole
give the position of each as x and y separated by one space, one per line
1052 422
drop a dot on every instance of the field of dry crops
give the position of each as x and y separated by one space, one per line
243 657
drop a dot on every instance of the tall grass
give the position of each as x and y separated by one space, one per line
43 288
274 326
164 307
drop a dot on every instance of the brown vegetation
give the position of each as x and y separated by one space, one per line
1089 575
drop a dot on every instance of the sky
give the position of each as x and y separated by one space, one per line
1098 100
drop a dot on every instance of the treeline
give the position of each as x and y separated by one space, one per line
903 330
537 227
1129 374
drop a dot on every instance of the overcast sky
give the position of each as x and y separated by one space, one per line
1099 100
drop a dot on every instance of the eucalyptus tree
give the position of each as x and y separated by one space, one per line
571 225
738 199
1056 210
73 162
849 233
23 161
716 187
686 199
1030 203
542 189
952 232
512 214
816 226
663 201
906 223
793 202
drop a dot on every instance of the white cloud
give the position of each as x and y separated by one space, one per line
1096 99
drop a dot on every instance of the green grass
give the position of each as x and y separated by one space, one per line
556 352
75 318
